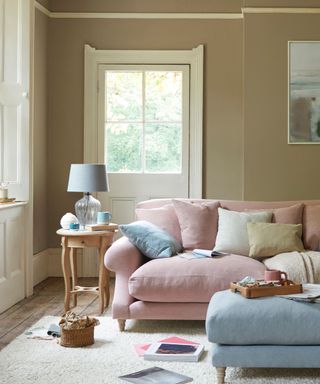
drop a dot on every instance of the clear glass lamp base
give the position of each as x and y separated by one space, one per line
87 210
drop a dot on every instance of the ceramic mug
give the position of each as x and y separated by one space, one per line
104 217
274 275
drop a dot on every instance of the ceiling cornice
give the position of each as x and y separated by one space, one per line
176 15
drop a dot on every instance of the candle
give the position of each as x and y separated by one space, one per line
3 193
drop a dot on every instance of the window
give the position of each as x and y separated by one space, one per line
98 61
144 115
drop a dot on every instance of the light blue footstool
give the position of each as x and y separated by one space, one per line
269 332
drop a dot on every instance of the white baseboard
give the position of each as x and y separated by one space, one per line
40 266
48 263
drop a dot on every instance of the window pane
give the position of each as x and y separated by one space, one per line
123 147
163 95
123 96
163 148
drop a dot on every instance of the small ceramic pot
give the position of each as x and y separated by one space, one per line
67 219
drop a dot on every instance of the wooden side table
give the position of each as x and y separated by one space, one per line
70 242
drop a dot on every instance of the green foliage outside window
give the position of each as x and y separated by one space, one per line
143 121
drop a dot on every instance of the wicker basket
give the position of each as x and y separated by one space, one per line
77 337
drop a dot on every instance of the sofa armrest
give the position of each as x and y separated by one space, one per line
123 257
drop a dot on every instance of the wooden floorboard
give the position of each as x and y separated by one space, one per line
47 300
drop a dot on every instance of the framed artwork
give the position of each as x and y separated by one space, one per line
304 92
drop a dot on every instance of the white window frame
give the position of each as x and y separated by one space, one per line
193 58
184 70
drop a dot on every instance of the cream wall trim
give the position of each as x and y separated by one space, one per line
281 10
169 15
42 9
122 15
29 208
193 57
40 266
48 263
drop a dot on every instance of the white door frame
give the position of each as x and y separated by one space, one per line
193 58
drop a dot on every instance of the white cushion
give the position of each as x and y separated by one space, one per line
232 236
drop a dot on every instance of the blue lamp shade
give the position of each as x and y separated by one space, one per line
88 178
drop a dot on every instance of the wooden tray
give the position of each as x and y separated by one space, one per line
252 292
7 200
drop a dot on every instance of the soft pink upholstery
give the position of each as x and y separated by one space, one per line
164 217
122 256
285 215
180 280
311 228
198 223
176 288
288 215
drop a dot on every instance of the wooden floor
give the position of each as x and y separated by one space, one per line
47 300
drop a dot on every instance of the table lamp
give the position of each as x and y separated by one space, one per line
87 178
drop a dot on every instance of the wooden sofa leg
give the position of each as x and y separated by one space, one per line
221 371
122 324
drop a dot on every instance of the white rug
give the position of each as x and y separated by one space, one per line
29 361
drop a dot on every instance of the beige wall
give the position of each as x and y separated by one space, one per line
222 94
246 154
274 170
40 134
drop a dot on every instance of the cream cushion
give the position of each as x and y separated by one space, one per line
269 239
232 236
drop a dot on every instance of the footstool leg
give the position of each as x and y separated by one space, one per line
221 371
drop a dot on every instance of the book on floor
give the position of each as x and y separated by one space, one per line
141 348
156 375
164 351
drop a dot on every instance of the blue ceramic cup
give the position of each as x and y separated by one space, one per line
104 217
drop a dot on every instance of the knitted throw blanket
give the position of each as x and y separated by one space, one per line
301 267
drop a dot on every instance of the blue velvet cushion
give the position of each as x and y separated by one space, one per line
151 240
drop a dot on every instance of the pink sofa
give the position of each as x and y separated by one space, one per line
178 288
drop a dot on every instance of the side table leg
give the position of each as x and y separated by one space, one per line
74 273
66 274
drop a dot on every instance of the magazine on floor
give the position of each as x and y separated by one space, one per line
156 375
164 351
141 348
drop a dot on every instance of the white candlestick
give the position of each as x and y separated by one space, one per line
3 193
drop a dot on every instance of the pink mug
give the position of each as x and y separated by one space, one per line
274 275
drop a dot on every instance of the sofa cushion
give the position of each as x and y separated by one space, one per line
269 239
198 223
288 215
232 236
164 217
151 240
233 319
181 280
311 227
284 215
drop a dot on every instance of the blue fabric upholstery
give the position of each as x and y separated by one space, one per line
151 240
266 356
235 320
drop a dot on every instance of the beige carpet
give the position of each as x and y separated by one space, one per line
29 361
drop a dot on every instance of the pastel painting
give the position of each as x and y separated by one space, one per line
304 92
